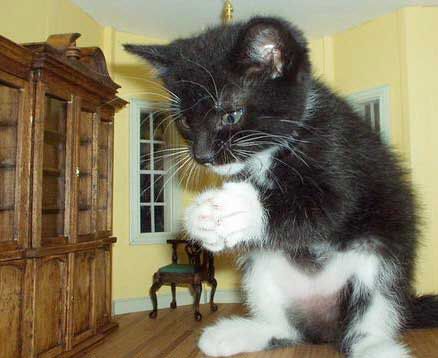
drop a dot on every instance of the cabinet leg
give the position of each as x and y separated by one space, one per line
173 303
198 291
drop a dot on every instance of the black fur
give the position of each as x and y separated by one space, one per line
337 185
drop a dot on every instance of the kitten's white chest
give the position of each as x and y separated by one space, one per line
272 273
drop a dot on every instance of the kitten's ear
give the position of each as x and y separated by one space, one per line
272 47
161 57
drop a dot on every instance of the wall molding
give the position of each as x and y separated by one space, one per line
139 304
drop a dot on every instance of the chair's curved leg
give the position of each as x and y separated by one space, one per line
173 303
197 287
213 306
153 293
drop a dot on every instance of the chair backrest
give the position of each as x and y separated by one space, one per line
197 256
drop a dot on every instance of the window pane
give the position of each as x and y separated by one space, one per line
145 160
144 126
145 219
377 116
158 156
159 219
145 188
159 127
158 188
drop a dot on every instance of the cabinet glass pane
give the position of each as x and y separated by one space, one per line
54 155
85 166
104 173
9 99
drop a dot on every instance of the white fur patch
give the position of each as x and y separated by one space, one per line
382 349
259 165
222 218
339 268
236 335
228 169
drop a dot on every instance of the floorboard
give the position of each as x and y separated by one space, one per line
174 334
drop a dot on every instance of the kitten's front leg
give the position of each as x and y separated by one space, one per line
222 218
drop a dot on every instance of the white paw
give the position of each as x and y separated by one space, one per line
222 218
233 336
386 349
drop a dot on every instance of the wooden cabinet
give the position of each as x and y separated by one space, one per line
57 106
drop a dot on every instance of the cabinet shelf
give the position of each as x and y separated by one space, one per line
52 210
52 172
84 174
6 165
82 207
86 141
7 123
51 136
7 208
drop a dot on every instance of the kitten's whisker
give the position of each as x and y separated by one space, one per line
192 167
155 94
206 70
154 83
203 87
179 160
148 156
183 160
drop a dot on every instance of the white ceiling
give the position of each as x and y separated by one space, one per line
169 19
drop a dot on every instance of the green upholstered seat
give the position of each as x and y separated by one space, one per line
178 268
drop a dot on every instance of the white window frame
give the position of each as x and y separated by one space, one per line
172 187
382 94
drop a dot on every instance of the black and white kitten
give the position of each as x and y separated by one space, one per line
319 207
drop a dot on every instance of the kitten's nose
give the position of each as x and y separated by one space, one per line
204 158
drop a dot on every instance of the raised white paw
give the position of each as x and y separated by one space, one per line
224 217
384 349
233 336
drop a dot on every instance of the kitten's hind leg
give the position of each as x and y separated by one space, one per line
373 325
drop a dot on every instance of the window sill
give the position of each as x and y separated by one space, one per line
152 238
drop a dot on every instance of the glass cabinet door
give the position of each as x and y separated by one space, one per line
9 106
85 175
104 170
54 169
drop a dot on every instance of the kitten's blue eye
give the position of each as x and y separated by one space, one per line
232 117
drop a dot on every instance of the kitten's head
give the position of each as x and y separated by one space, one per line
236 90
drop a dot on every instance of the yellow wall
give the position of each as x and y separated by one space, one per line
421 94
398 50
34 20
368 56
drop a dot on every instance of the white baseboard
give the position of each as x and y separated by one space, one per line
129 305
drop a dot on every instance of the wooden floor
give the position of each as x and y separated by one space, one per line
174 335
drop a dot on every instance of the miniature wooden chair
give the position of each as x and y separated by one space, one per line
199 269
